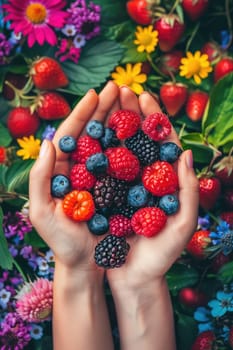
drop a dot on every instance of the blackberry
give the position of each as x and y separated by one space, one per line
110 192
111 252
126 210
146 149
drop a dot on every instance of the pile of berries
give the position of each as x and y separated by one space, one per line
122 180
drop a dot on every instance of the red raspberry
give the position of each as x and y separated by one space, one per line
123 164
86 146
160 178
125 123
78 205
157 126
148 221
228 217
120 225
81 178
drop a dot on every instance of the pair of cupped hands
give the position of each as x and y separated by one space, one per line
72 243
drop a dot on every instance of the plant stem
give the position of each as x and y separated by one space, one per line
20 270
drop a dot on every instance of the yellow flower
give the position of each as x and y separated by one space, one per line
30 147
196 66
130 76
146 39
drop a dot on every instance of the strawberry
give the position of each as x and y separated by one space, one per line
125 123
222 68
194 8
47 74
160 178
3 155
173 96
197 244
148 221
209 191
21 122
138 11
16 80
224 170
78 205
204 341
170 62
123 164
212 50
157 126
52 105
196 104
192 297
170 29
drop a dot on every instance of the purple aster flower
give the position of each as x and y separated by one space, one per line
48 133
16 224
85 18
14 333
5 48
13 250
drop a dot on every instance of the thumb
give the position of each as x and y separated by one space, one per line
40 180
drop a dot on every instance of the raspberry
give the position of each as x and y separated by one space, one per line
109 192
79 205
85 147
123 164
160 178
148 221
157 126
111 252
125 123
81 178
120 225
146 149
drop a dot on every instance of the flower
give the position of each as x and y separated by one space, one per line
130 76
203 316
67 51
16 224
222 304
30 147
5 48
222 238
14 333
36 19
34 300
146 39
36 331
4 297
196 66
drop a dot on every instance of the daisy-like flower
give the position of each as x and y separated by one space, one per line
36 19
130 76
222 304
30 147
196 66
146 39
34 300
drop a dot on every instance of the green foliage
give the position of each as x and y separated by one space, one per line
6 260
225 273
5 137
181 275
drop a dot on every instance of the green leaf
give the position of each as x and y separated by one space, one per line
6 260
180 276
5 137
186 331
225 273
94 66
32 238
17 175
217 123
202 153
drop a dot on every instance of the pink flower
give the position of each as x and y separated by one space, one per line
34 300
35 19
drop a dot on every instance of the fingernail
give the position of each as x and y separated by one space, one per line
43 148
189 158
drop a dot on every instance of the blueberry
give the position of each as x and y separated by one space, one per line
137 196
169 204
97 163
95 129
109 138
169 152
98 224
67 144
60 185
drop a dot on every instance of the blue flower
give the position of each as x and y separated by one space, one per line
203 316
222 304
36 331
222 238
204 222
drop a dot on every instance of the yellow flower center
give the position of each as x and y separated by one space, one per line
194 66
36 13
128 80
145 39
43 314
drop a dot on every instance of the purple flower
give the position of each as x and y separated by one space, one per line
16 224
67 51
14 333
48 133
5 48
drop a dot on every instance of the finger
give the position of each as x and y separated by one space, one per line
129 100
40 181
108 102
76 121
149 105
